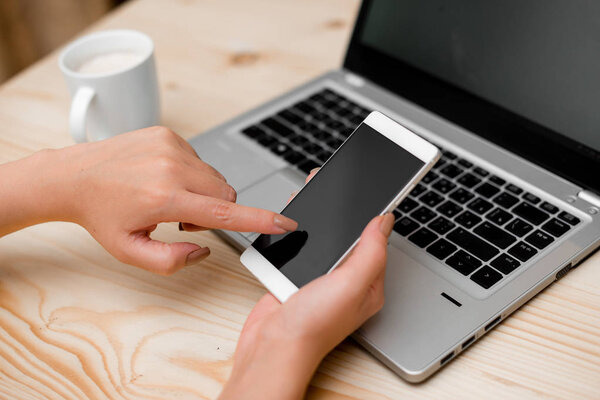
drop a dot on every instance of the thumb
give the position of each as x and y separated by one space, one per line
159 257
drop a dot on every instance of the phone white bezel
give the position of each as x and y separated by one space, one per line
276 282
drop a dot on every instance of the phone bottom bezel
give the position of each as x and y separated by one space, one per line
276 282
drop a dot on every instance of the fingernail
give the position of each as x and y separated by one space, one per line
197 255
386 224
285 223
180 226
314 170
232 194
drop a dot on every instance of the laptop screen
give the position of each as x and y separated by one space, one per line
523 74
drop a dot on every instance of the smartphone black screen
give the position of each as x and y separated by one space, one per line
361 179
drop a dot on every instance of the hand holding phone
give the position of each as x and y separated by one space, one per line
368 175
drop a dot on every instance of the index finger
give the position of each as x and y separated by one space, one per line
216 213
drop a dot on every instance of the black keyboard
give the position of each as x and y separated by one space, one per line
307 133
475 222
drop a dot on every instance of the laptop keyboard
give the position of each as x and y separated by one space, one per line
471 220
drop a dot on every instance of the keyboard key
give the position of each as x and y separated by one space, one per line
355 119
571 219
308 165
505 264
461 195
472 244
499 216
431 199
324 155
549 208
334 143
423 215
290 117
469 180
266 140
480 206
555 227
407 205
464 163
449 209
321 136
486 277
514 189
278 127
468 219
451 171
463 262
305 107
522 251
539 239
487 190
423 237
518 227
318 97
312 148
481 172
430 177
449 154
533 199
441 225
441 249
320 118
299 140
405 226
280 148
440 163
530 213
494 235
397 214
293 157
497 180
418 190
254 131
443 185
506 200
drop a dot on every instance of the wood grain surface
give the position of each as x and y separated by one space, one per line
75 323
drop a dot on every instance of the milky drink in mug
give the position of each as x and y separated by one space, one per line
112 79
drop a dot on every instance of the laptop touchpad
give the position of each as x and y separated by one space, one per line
273 191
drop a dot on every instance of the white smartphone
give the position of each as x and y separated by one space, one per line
369 175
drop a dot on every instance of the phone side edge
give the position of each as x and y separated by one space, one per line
271 278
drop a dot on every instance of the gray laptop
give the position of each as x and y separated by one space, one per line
510 92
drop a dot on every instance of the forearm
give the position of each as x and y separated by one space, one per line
31 191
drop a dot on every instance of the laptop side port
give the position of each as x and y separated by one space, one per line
468 342
446 358
494 322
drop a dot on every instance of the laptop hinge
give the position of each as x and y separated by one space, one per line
354 80
590 197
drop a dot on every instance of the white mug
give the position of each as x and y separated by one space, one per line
111 96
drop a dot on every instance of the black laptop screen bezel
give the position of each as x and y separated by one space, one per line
549 149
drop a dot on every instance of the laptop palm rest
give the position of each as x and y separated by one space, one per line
273 191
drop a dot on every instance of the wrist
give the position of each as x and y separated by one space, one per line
272 367
33 191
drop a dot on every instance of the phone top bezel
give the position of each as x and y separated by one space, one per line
272 278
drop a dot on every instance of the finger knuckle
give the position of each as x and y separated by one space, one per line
168 165
159 197
223 211
379 302
163 132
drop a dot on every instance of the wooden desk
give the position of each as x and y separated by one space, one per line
75 323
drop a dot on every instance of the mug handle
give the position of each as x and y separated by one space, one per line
78 115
